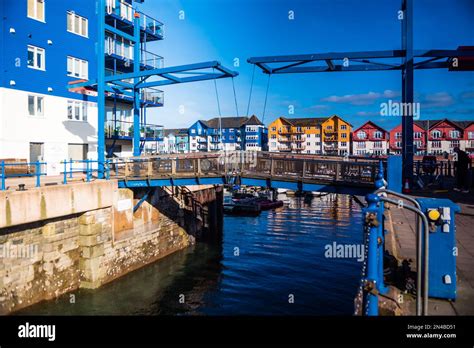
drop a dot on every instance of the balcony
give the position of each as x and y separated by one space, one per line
284 148
215 139
298 139
123 130
298 147
120 55
120 14
284 139
202 141
470 144
152 97
284 131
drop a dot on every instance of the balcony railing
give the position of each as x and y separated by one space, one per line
153 96
124 49
124 129
126 12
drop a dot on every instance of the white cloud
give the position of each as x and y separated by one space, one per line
361 99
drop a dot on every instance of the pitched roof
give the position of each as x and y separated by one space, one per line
373 124
305 121
225 122
426 124
175 131
253 121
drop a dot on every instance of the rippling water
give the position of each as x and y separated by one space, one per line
263 263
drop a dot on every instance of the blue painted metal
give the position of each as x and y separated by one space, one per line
372 273
407 90
101 87
136 91
2 166
394 173
142 200
442 248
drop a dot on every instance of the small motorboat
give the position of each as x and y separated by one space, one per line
267 204
242 207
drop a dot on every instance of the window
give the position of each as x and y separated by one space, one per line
378 144
308 143
454 134
398 135
77 110
77 24
470 135
360 145
398 144
378 135
77 68
274 129
35 105
343 135
417 135
343 127
343 144
361 135
436 144
36 10
329 127
454 143
36 58
436 134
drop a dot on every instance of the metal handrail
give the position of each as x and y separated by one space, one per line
418 244
38 173
426 252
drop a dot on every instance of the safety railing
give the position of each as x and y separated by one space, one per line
86 167
372 283
20 170
124 129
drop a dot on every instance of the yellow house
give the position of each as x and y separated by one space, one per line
336 136
300 135
310 135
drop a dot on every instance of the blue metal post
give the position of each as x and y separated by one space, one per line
70 168
3 175
88 171
38 173
136 91
407 90
379 183
101 88
372 276
65 173
394 173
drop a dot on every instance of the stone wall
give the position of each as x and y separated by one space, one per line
87 250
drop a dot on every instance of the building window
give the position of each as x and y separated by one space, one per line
436 144
35 105
378 135
470 135
454 143
77 110
77 24
77 68
398 144
454 134
361 135
36 10
398 135
343 127
343 144
378 144
343 135
36 58
436 134
417 135
360 145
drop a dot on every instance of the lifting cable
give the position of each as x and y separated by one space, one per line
235 97
251 88
266 97
219 110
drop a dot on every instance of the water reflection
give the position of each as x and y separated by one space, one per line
262 261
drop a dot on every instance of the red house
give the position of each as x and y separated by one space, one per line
370 139
444 136
468 136
419 137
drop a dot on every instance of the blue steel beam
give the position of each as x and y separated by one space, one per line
136 91
101 89
182 80
120 33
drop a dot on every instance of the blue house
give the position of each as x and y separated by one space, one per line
228 133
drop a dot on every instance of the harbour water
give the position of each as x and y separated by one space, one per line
273 264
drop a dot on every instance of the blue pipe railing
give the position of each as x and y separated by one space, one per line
84 167
373 280
37 172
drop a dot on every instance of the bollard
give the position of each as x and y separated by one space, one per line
372 276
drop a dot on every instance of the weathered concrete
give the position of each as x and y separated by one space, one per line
49 202
73 247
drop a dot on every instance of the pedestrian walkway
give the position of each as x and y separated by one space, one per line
402 243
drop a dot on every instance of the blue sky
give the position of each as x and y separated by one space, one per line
224 30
